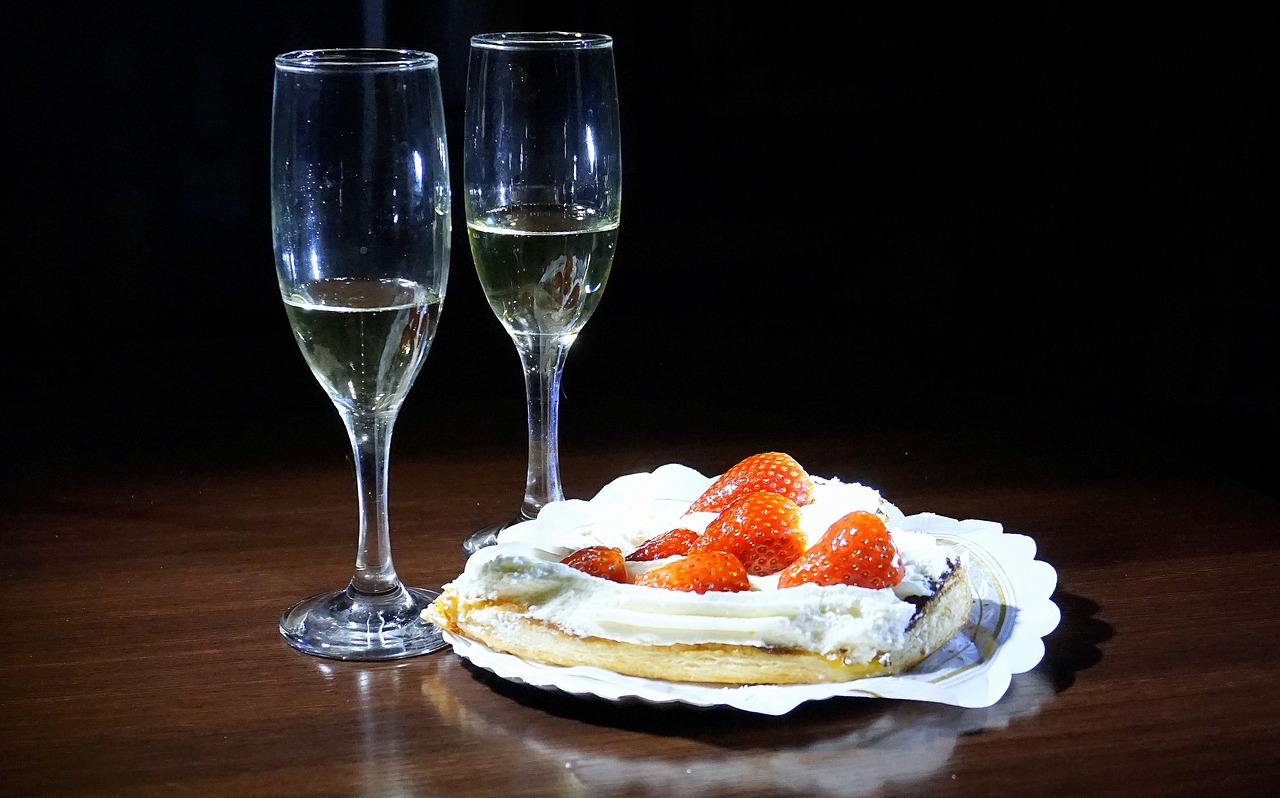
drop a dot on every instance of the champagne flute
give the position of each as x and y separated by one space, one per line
542 175
361 225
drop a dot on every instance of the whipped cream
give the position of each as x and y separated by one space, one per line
844 621
634 508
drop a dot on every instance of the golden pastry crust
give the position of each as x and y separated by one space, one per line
505 626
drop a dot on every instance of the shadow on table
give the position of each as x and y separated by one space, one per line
1074 645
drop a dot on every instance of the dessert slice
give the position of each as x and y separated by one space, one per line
843 595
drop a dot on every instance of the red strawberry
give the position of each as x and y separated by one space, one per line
668 544
775 472
605 562
856 550
761 529
699 572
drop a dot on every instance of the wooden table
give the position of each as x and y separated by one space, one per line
142 657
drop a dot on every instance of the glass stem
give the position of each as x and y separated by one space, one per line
542 357
370 445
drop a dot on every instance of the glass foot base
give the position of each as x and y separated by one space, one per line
351 625
487 536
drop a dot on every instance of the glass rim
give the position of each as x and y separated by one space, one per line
337 59
541 40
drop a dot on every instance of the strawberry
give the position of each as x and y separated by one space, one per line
699 572
775 472
605 562
856 550
761 529
668 544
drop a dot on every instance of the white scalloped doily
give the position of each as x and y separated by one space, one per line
1012 612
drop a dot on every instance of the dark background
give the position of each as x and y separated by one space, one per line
846 219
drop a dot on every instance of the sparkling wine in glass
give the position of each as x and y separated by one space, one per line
361 224
543 179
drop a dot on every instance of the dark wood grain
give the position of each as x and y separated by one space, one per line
142 657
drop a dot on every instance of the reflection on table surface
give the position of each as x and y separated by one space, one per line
864 745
